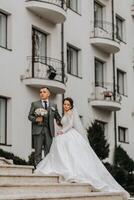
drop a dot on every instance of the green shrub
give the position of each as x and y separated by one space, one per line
97 140
123 169
31 159
122 159
16 160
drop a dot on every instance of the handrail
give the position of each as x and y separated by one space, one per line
47 68
105 91
103 29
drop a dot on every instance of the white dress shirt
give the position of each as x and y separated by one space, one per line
43 104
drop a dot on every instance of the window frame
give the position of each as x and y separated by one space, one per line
34 29
103 74
77 10
121 21
5 143
69 66
6 29
123 83
125 132
99 23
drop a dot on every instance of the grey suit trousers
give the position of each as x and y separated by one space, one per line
43 139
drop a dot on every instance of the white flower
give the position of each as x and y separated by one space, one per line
40 112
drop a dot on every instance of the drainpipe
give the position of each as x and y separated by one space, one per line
114 72
62 58
114 96
62 51
33 47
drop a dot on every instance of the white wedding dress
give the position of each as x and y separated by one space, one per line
72 157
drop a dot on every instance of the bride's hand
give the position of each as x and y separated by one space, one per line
60 133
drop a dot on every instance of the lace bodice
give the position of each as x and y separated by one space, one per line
67 122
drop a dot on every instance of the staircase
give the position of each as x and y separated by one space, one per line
19 183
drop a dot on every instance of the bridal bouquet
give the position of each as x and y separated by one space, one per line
40 112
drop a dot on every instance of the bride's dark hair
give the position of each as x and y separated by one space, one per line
70 101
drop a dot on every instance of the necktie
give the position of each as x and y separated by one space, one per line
45 104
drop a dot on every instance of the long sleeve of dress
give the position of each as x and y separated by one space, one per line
67 123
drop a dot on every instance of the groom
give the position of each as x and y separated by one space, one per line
43 126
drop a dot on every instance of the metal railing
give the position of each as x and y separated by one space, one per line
104 29
59 3
105 91
46 68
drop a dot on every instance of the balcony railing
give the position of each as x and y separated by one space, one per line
105 91
104 97
59 3
46 68
104 29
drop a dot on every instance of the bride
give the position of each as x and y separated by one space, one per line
72 157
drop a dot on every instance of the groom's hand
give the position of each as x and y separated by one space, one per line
39 119
59 123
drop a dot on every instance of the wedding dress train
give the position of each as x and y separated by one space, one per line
72 157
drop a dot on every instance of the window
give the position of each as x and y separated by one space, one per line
74 5
3 30
99 72
119 27
121 82
39 46
123 134
98 15
72 61
3 119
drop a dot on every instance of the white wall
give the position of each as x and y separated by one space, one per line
77 30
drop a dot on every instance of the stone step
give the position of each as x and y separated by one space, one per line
27 179
15 169
34 188
65 196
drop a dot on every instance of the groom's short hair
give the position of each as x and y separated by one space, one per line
45 88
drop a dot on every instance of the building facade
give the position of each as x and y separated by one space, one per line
83 49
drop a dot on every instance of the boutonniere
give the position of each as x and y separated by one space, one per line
53 109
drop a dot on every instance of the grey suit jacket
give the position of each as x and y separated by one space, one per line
52 114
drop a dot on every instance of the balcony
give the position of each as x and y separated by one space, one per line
52 10
103 98
132 9
103 37
45 71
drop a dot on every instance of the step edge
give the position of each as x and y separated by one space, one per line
26 175
45 184
17 166
62 195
